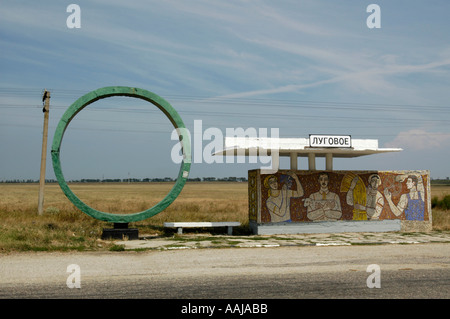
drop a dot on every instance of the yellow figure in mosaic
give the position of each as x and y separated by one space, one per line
356 197
367 202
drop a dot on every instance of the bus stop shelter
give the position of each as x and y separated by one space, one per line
299 147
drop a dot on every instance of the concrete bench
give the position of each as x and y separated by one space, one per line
181 225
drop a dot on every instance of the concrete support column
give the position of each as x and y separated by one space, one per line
329 161
294 158
275 162
311 161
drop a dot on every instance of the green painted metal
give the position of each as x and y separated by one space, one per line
106 92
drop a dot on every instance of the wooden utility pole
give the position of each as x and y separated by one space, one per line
46 110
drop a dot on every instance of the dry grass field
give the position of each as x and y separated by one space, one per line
440 191
441 218
197 201
63 227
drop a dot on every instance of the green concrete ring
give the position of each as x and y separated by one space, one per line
166 108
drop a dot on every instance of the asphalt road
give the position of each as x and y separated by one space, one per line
405 271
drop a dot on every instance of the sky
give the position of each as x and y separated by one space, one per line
304 67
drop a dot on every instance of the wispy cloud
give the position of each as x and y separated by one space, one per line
371 80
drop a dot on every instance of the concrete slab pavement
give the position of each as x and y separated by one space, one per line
197 241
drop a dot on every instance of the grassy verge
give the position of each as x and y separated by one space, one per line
65 231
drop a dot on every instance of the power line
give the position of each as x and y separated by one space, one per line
248 101
192 112
310 106
381 118
223 115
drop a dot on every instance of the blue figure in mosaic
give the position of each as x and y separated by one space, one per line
412 203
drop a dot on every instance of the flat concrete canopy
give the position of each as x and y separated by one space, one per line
299 147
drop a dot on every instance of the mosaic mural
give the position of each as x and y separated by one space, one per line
305 196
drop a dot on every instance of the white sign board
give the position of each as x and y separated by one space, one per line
316 140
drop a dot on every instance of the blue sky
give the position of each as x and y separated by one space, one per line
305 67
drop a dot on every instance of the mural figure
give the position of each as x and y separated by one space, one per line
308 196
354 186
373 199
278 202
324 204
412 203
